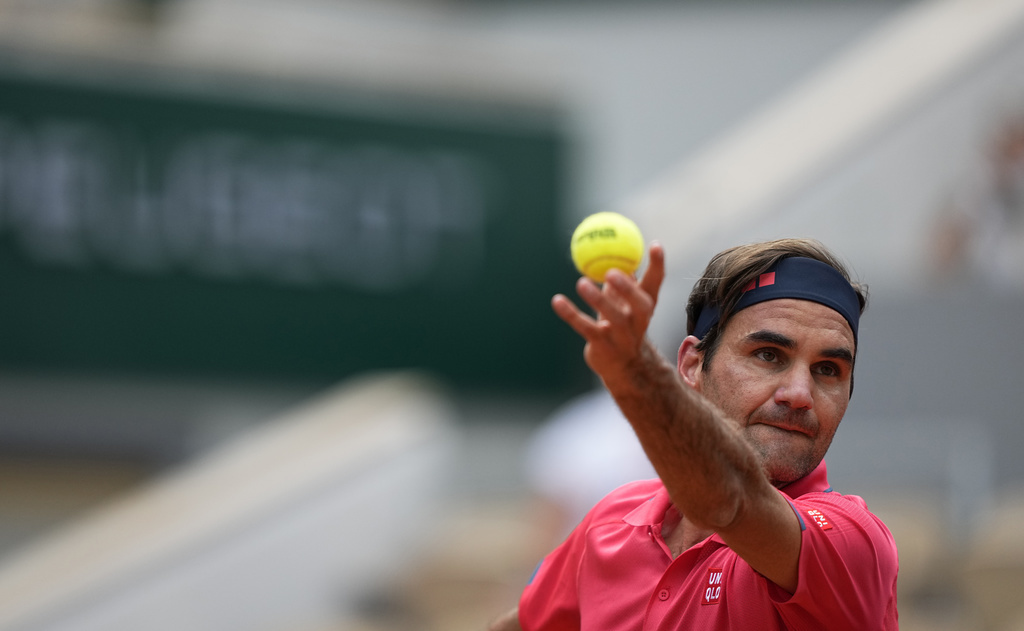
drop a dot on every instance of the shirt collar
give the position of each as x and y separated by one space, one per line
652 511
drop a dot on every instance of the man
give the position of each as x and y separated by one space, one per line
742 530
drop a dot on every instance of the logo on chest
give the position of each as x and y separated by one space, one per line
713 587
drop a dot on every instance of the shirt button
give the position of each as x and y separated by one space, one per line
663 594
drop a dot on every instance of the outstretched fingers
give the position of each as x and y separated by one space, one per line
623 307
636 299
580 322
654 276
623 301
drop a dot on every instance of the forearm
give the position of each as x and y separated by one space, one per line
703 460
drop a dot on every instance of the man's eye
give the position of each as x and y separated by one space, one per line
766 355
828 370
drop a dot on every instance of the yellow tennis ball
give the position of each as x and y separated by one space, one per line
604 241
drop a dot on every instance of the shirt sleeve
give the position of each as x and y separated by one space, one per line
847 569
550 601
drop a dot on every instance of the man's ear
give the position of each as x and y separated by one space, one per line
690 361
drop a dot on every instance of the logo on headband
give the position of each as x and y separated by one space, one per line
763 280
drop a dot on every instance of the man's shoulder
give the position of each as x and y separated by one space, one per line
853 503
832 509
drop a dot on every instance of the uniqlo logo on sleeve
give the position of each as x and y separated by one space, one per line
819 518
713 589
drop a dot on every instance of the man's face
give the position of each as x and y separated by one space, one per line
783 372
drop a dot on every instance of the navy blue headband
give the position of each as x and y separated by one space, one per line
794 277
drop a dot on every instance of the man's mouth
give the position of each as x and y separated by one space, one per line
787 425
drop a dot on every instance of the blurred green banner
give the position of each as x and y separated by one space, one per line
184 233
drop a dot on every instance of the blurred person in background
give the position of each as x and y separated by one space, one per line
741 530
584 450
978 231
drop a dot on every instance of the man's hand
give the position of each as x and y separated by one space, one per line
624 307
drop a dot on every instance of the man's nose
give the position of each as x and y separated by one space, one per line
796 388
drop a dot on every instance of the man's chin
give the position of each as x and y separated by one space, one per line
783 468
785 456
782 479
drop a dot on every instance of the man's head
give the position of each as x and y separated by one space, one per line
731 272
780 321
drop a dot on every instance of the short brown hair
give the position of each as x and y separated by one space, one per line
730 271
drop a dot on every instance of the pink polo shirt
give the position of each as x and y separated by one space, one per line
615 573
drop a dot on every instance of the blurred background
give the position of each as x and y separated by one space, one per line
277 350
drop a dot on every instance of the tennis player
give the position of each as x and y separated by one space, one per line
741 529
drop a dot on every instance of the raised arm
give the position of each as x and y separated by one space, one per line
712 474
